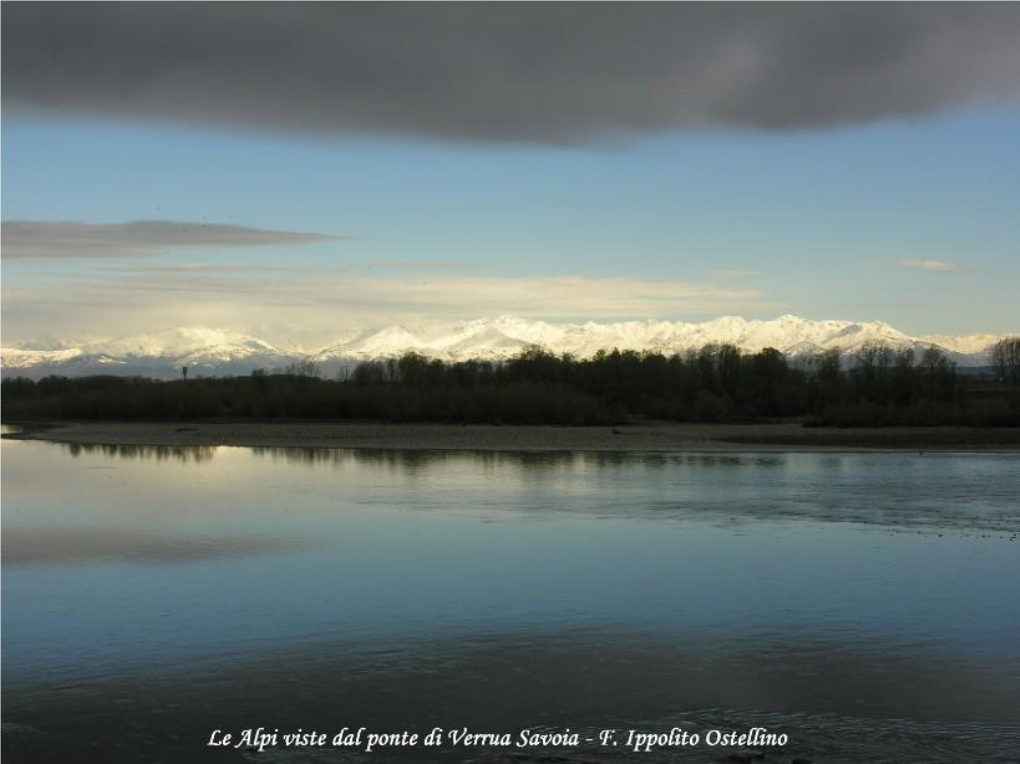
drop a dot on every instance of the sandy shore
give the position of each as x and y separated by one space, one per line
634 437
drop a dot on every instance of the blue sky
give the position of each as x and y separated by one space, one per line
871 202
812 222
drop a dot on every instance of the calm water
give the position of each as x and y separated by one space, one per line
865 605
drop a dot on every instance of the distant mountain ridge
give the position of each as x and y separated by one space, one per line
219 352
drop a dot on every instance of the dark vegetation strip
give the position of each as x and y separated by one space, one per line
877 387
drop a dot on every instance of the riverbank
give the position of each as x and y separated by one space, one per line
651 436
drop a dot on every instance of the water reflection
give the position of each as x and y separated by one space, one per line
880 701
152 594
414 459
974 492
184 454
75 546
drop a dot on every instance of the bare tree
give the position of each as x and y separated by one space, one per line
873 357
1005 358
305 368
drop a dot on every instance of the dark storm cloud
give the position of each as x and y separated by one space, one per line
28 240
539 72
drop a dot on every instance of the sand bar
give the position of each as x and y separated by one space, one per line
654 436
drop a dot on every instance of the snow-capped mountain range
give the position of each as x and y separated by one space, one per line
220 352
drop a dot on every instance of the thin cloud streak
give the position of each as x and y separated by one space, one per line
546 73
731 274
932 266
323 306
27 240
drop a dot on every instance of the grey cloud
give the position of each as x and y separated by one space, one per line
30 240
536 72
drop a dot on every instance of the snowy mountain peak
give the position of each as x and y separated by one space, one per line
220 351
179 342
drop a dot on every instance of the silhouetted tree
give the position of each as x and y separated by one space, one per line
1005 358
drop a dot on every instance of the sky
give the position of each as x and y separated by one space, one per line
300 172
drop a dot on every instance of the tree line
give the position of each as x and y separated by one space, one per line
877 386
